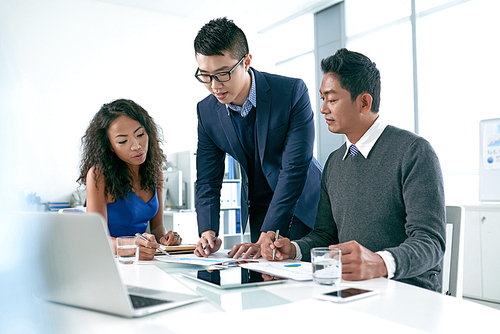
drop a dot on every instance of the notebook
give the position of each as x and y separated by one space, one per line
180 249
80 268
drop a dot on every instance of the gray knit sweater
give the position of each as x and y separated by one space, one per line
393 200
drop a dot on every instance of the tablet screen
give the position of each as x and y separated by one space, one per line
235 277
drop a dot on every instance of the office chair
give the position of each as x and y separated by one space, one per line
451 276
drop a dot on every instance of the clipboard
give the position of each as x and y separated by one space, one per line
179 249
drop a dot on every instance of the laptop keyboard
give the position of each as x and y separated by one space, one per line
139 301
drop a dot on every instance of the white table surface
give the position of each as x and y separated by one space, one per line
280 308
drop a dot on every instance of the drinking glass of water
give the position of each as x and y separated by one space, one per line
127 249
326 265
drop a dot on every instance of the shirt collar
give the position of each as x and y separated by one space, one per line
250 102
368 140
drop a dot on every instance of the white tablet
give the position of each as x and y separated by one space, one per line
234 277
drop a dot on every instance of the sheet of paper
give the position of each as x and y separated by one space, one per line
298 271
213 259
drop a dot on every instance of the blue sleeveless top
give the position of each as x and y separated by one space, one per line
130 215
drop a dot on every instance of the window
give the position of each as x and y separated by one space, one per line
456 75
293 52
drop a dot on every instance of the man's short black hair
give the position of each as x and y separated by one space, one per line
221 35
357 74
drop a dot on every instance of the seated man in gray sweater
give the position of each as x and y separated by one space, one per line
382 200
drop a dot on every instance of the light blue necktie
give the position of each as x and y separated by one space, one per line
353 150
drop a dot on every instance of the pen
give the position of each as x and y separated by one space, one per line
205 247
277 236
146 239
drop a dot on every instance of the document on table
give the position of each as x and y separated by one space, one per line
213 259
298 271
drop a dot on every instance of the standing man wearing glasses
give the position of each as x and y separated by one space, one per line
266 123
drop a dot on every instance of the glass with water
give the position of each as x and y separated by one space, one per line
127 249
326 265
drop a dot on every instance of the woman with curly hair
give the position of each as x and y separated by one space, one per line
122 169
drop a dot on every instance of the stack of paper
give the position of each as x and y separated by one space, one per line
180 249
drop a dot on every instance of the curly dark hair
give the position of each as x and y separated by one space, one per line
96 150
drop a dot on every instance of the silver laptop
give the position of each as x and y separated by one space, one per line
80 269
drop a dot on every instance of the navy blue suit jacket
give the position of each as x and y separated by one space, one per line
285 136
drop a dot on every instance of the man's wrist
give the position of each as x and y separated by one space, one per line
388 264
293 251
208 233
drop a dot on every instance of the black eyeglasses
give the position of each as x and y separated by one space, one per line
220 77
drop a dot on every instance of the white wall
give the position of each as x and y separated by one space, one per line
60 60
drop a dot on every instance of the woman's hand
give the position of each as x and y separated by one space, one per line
171 239
147 249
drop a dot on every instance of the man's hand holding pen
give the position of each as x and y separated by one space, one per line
268 249
207 244
278 248
284 250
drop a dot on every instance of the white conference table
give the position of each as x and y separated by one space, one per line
288 307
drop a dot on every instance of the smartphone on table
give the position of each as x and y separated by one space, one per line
346 295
